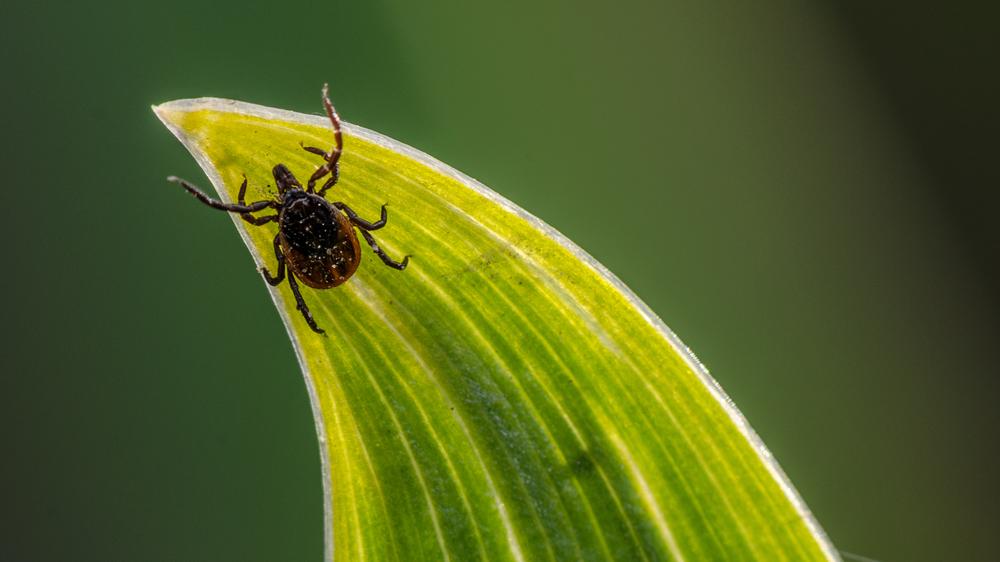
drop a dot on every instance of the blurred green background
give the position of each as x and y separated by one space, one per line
805 192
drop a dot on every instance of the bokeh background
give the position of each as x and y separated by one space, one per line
807 193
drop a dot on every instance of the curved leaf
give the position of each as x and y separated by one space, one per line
505 397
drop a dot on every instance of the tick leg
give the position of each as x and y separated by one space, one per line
258 220
231 207
360 222
400 265
330 182
314 150
243 191
247 216
273 281
300 304
333 157
332 169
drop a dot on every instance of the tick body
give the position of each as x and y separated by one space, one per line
316 241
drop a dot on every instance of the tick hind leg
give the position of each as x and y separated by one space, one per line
275 280
333 157
300 304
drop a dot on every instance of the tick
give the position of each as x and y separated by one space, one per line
316 240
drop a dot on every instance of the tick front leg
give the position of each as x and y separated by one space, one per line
334 176
232 208
257 221
332 169
360 222
314 150
273 281
400 265
300 304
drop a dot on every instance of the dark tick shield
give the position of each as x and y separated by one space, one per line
316 239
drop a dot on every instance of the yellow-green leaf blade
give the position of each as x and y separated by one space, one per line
504 398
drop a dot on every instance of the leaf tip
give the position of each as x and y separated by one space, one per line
169 113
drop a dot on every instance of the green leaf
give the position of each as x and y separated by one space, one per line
505 397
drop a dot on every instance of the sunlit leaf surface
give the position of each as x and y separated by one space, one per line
505 397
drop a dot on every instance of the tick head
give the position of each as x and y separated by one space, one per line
284 179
